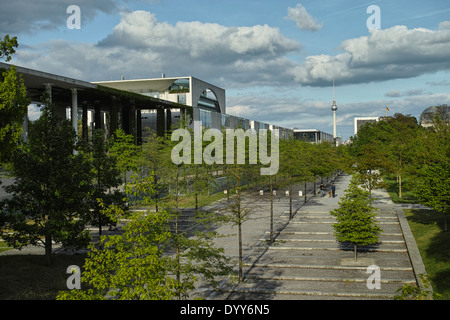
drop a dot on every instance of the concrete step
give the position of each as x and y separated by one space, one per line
326 273
336 258
332 287
327 236
308 295
327 226
250 267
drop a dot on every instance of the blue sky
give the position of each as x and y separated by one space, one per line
276 59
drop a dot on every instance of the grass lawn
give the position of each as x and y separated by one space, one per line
427 227
392 188
28 277
434 247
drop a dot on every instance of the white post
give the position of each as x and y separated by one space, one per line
74 114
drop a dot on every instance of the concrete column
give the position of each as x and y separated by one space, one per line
48 89
160 122
139 126
74 110
114 116
84 119
133 120
168 120
98 116
59 111
125 119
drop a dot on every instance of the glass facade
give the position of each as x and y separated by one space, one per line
205 118
180 86
225 121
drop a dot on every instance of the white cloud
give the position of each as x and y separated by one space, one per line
444 25
197 40
397 52
303 19
140 47
408 93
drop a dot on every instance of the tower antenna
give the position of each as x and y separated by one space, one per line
334 109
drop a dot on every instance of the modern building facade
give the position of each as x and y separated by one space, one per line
184 90
134 105
208 103
360 121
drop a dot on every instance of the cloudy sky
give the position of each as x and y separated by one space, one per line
276 59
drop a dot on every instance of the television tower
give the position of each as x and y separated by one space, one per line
334 108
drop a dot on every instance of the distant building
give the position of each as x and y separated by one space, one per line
427 116
207 102
312 135
360 121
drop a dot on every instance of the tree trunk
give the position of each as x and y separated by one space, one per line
196 202
157 191
195 189
240 218
305 191
290 201
239 234
355 251
445 222
177 246
271 211
48 248
99 224
225 174
399 186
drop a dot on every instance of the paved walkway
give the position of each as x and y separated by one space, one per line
306 262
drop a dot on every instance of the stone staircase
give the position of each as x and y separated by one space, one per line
306 262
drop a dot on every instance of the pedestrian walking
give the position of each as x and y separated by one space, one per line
322 190
333 190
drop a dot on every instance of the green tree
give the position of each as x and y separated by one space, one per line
239 212
295 164
106 181
387 145
155 163
430 170
237 209
7 46
130 266
140 264
402 131
355 219
125 151
49 197
323 162
432 187
13 102
369 161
